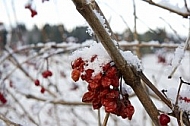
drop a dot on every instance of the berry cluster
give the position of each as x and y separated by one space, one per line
185 99
45 74
103 88
31 8
37 83
3 99
164 119
33 11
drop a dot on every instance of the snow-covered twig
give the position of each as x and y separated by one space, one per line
58 102
8 122
169 8
178 56
22 107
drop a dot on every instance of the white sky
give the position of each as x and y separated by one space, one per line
64 12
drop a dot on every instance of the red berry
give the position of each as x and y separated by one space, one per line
129 110
75 75
106 67
111 72
37 82
113 94
28 6
2 98
42 90
164 119
105 81
93 85
44 74
49 73
93 58
88 97
96 103
33 12
77 63
110 106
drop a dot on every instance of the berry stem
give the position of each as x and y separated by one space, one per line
106 119
47 63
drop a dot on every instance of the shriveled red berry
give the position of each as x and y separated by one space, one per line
129 110
33 12
3 99
105 81
37 82
77 62
28 6
42 90
164 119
112 71
88 97
93 85
75 75
93 58
113 94
110 106
106 67
96 103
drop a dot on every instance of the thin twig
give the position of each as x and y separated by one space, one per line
179 88
61 102
185 2
8 122
185 15
22 107
99 118
106 119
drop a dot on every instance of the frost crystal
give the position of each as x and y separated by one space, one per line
178 56
102 20
132 59
89 31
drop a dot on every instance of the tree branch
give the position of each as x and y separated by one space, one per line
185 15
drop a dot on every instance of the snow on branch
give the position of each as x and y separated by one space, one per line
172 8
178 56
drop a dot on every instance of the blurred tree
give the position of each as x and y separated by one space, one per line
158 35
80 33
56 33
3 36
128 35
34 36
